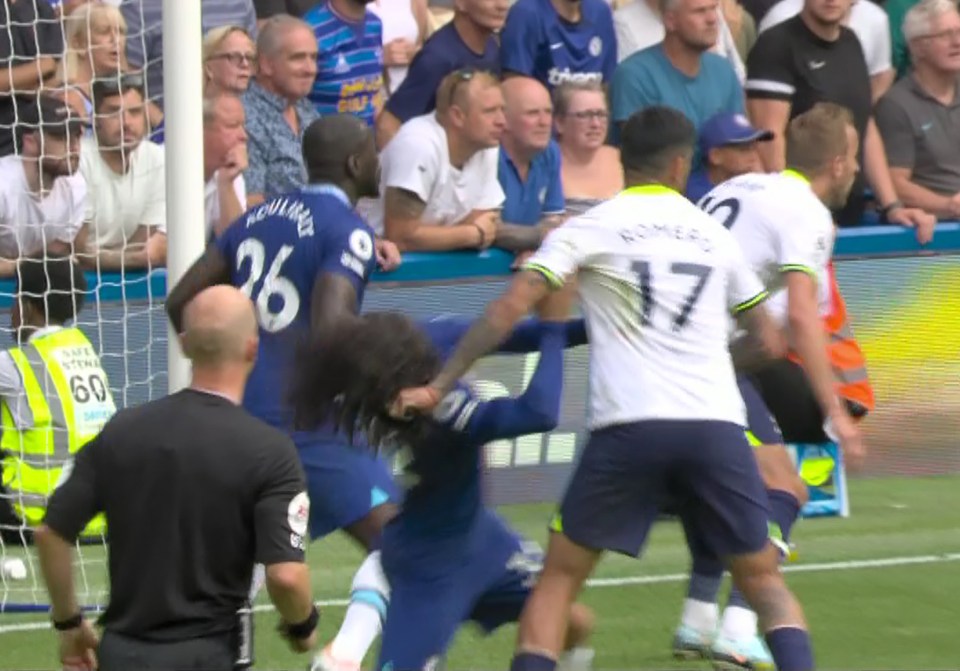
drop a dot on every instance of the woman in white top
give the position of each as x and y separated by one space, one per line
229 57
404 30
589 169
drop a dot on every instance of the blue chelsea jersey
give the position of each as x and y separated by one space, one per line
276 253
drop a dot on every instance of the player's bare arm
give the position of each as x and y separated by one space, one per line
334 302
527 289
764 341
808 340
210 269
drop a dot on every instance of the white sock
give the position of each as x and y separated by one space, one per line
576 659
738 623
369 596
701 616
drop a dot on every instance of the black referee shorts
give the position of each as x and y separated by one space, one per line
123 653
785 390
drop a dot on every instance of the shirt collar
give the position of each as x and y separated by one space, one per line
329 190
46 330
793 174
650 190
278 103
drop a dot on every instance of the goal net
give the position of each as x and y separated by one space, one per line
98 200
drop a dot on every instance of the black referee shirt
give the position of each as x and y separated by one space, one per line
791 63
195 490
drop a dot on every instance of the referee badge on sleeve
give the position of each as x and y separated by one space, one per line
298 515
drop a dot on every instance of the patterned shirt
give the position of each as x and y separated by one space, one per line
349 64
273 149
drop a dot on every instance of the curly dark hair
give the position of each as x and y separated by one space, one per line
351 374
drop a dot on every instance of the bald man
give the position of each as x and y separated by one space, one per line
529 168
305 258
195 492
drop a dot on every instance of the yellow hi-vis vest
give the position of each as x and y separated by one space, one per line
69 398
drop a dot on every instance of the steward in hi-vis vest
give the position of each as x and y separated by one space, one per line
54 394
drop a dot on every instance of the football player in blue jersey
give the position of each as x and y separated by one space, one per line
304 258
447 557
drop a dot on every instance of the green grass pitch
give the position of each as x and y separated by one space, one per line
865 612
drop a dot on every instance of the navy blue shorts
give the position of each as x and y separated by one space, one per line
762 427
344 484
705 470
488 586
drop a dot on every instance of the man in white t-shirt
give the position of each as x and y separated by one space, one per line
438 180
784 227
42 195
224 160
127 211
658 283
870 24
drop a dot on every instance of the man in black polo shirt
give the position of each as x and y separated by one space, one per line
814 58
195 491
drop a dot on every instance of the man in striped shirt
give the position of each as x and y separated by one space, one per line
349 61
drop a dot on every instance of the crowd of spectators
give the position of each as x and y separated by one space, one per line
495 119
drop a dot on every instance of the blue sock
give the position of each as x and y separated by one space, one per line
791 649
784 510
531 661
737 599
705 578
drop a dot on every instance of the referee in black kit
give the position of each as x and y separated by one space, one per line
195 491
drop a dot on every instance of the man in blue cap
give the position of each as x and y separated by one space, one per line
728 145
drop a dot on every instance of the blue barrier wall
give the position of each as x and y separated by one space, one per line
894 288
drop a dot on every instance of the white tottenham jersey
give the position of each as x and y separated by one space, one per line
658 280
781 226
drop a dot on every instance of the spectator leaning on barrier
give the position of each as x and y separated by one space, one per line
559 40
224 160
54 395
438 180
919 118
529 168
728 145
868 22
814 58
43 197
195 491
467 42
229 58
31 46
126 218
277 108
680 72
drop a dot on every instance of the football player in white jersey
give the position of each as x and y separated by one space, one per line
783 224
658 281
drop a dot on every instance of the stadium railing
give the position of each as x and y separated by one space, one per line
902 298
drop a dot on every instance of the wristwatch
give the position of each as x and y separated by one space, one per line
69 623
886 209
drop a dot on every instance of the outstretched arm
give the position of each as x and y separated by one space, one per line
446 332
537 409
